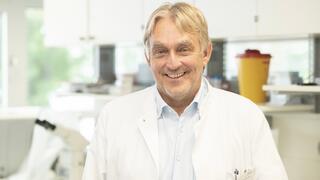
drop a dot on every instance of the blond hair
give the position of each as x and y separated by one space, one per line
187 18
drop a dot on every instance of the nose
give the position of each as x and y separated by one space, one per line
173 62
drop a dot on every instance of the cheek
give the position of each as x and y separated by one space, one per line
156 67
195 65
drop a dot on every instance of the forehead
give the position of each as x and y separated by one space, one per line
167 32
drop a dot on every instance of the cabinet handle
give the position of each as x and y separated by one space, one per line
87 38
256 18
90 37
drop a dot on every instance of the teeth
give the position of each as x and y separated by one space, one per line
174 76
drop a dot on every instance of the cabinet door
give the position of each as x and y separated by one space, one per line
288 17
116 21
229 18
299 143
64 21
150 5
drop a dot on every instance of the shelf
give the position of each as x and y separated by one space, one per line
267 108
22 113
292 89
297 89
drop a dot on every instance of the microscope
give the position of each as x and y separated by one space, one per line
76 142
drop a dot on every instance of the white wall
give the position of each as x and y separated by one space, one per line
16 94
299 143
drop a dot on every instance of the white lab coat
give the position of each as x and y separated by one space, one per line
232 133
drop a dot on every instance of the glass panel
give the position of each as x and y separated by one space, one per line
49 67
128 57
2 59
288 55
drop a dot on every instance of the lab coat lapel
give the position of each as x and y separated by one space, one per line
148 126
204 110
204 161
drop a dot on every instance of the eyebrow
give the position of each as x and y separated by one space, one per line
158 44
185 43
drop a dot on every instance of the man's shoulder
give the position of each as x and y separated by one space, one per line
227 95
132 100
235 109
231 100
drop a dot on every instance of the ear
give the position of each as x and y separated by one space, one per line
207 54
147 57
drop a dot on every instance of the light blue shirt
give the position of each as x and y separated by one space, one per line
176 137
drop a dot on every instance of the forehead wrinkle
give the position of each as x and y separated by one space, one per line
158 44
185 43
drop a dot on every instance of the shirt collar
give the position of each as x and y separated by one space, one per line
198 99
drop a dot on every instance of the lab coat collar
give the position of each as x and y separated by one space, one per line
198 99
203 106
204 110
148 126
148 123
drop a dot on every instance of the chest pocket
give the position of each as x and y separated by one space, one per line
242 174
133 160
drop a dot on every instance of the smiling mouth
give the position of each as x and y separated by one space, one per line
175 76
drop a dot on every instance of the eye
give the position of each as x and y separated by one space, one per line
159 52
184 50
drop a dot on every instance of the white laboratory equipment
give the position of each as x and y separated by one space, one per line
16 132
28 151
76 142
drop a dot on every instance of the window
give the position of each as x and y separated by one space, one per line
3 60
288 55
128 56
50 67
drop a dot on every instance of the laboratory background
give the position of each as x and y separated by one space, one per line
62 60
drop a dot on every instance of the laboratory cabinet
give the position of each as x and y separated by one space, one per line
116 21
110 21
150 6
288 17
97 21
65 22
299 143
229 18
261 18
74 22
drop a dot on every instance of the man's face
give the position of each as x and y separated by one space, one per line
177 61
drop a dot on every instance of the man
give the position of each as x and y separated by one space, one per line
181 128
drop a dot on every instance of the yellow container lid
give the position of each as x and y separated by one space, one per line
253 53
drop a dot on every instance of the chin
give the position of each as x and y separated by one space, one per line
177 95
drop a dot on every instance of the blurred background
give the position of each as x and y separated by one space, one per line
62 60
